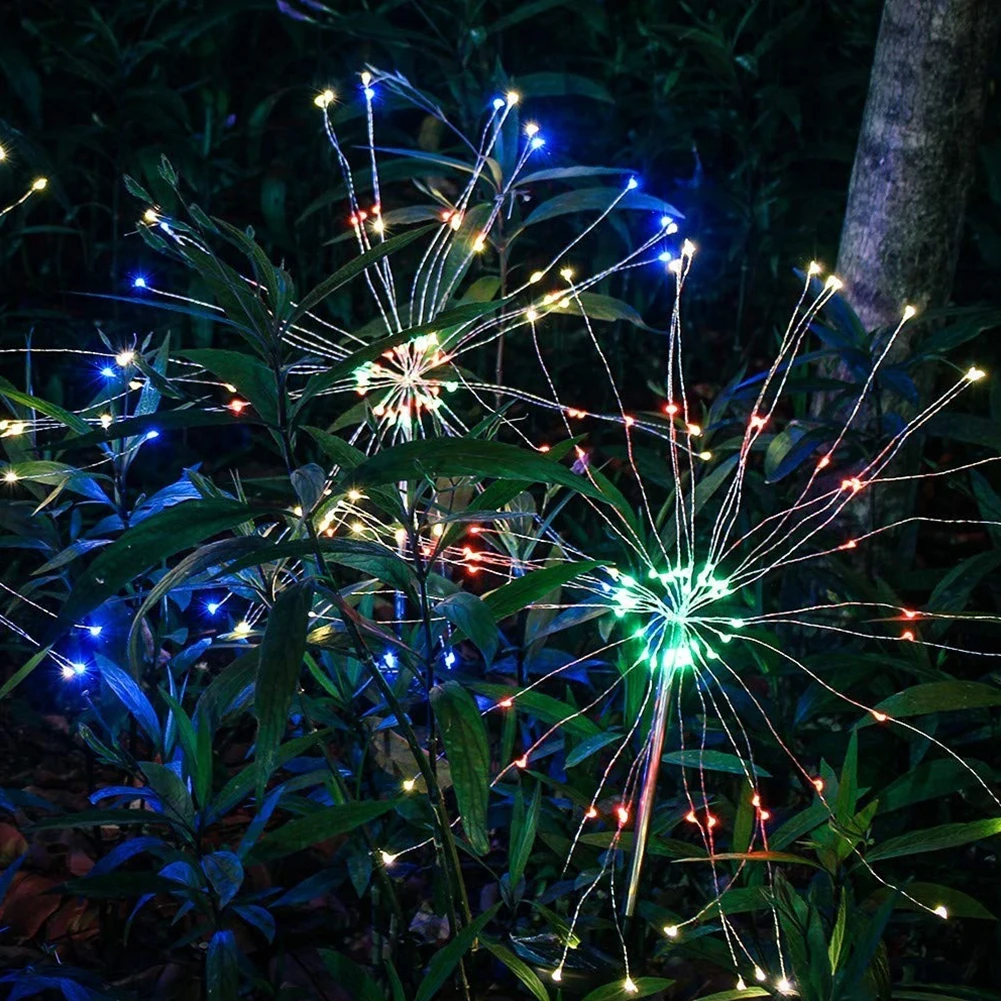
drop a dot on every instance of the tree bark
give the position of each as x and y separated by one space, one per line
916 156
913 169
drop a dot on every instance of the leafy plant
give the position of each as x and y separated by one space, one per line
288 705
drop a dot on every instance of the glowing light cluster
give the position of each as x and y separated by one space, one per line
678 619
402 383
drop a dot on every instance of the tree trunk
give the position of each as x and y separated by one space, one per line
913 168
916 155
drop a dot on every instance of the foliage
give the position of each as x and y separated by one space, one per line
251 780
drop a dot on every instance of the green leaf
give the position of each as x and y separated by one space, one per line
569 173
966 428
356 266
543 707
452 457
468 753
145 545
448 958
281 654
172 793
224 871
518 967
424 156
367 557
714 761
253 380
241 302
933 839
59 474
222 972
330 822
952 593
22 672
351 978
756 857
937 696
522 12
135 189
132 697
337 449
524 823
599 200
735 995
932 895
473 617
591 746
681 851
560 84
94 818
931 780
847 799
185 734
57 413
600 307
521 592
645 986
241 785
805 942
837 942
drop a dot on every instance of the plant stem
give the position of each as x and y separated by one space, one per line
448 853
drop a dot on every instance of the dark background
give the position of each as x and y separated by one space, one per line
745 116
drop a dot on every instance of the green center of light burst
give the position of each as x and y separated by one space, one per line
669 605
